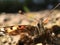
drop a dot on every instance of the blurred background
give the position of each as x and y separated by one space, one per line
12 6
10 11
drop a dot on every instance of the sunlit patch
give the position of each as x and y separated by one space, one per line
14 27
53 34
2 29
39 44
58 35
9 30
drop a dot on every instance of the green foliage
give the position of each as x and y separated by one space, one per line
26 9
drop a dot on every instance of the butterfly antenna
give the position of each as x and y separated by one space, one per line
40 24
53 10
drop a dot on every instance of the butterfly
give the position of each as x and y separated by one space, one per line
28 34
